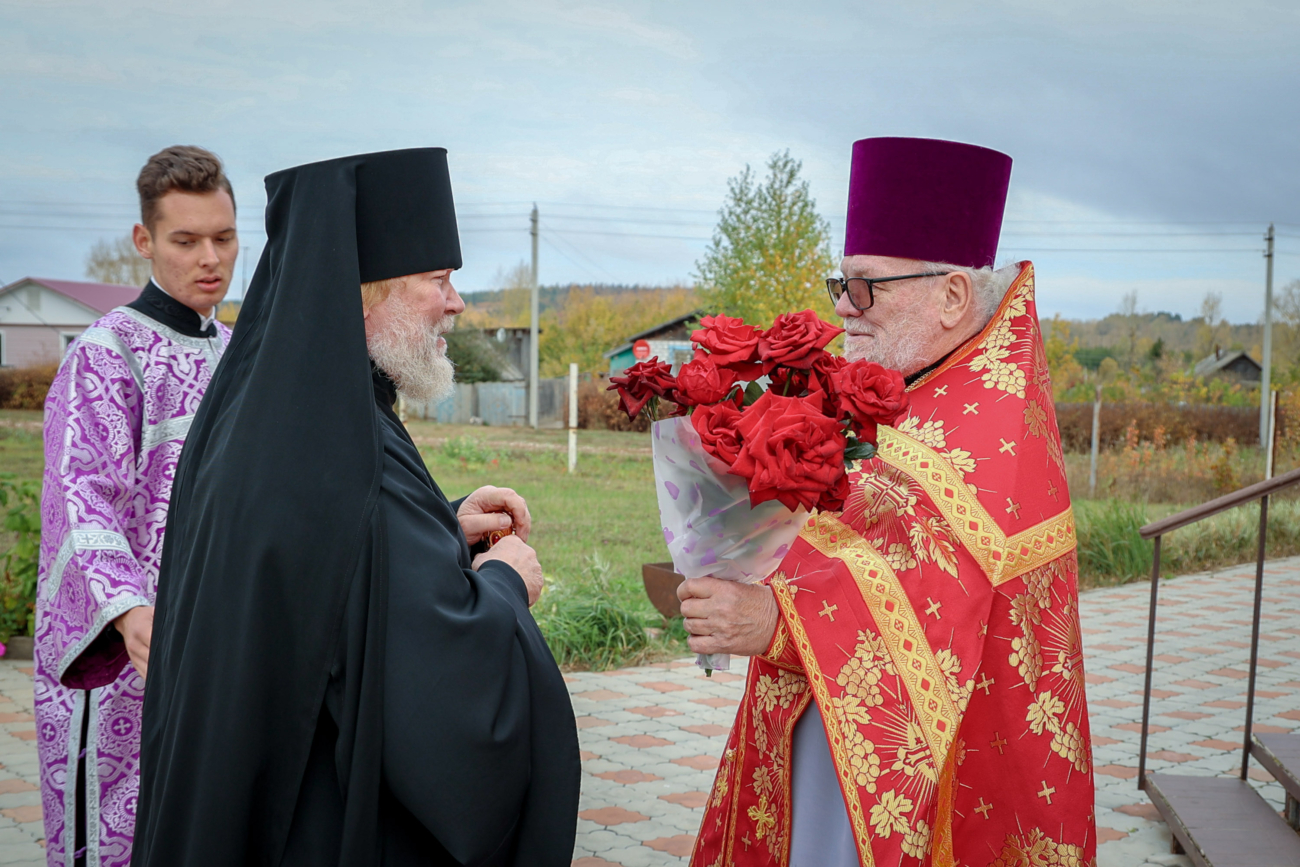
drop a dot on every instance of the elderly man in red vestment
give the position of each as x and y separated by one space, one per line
916 688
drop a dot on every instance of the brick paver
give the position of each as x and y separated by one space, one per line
22 832
651 736
1201 647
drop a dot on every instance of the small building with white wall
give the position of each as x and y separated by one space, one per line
40 317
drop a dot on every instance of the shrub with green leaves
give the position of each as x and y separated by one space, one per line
471 451
22 503
585 625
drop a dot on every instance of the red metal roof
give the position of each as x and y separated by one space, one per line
101 297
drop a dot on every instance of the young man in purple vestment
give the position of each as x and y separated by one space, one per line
115 420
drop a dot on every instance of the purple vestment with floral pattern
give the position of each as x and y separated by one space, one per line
115 421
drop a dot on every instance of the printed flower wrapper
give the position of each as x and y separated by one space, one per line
708 523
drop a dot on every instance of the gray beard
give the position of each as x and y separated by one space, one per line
408 352
903 349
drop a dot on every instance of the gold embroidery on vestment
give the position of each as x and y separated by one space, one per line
901 629
1001 558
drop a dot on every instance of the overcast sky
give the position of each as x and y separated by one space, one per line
1165 128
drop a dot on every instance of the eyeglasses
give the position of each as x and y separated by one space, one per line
862 289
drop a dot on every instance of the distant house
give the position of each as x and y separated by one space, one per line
39 317
669 341
1235 364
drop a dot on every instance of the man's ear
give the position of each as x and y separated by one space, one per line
143 241
958 299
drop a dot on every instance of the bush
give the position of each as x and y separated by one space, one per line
26 387
22 500
476 359
1179 423
598 409
585 627
471 452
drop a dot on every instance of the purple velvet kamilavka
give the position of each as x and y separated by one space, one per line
115 420
926 199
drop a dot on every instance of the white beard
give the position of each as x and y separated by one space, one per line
903 348
409 353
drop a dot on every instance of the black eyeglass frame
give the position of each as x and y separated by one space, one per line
837 287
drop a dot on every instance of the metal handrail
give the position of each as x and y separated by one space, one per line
1156 531
1221 504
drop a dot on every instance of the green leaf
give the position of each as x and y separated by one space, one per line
856 450
753 392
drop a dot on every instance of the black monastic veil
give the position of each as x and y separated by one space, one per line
330 681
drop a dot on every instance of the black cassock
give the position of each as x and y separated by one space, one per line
460 749
330 681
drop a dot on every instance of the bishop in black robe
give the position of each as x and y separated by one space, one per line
331 680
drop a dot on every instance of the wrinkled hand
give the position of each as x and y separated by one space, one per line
727 617
136 627
515 553
490 509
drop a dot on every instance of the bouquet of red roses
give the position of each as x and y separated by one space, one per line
739 464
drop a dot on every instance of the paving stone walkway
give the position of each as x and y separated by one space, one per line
651 736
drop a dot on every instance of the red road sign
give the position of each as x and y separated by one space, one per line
641 350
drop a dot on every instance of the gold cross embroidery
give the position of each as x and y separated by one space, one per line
933 610
1047 793
971 408
1051 490
1013 508
983 809
828 610
984 629
985 684
941 391
748 842
999 743
1008 447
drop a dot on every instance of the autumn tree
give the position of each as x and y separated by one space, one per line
770 252
1210 335
117 262
586 324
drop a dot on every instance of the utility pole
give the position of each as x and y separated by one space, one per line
1265 383
532 328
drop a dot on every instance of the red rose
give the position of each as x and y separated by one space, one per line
822 375
790 451
640 382
702 382
870 395
730 343
833 499
716 426
795 340
789 383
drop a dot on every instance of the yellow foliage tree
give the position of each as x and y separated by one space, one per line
586 324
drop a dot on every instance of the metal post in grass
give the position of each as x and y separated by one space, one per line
573 416
1096 437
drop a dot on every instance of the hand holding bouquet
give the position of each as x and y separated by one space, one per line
738 465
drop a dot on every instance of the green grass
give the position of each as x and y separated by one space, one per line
592 529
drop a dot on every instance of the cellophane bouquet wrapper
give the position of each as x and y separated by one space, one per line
709 525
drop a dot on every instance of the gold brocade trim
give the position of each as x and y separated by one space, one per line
924 679
1002 559
834 734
